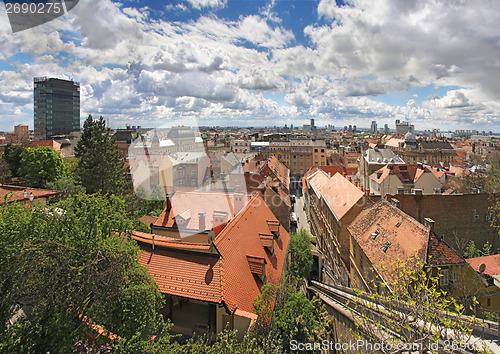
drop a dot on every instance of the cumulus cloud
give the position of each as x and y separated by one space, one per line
203 4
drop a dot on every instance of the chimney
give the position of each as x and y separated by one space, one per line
153 239
395 203
417 191
356 183
201 221
362 189
367 191
343 174
168 197
238 202
401 190
349 179
428 222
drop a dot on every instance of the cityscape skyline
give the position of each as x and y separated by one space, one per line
233 63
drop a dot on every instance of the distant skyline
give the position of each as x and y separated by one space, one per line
265 63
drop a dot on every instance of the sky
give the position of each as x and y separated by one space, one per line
435 63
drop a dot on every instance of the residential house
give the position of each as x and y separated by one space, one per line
332 202
459 217
390 178
373 160
383 235
488 267
210 284
25 195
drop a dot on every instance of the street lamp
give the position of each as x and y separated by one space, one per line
31 197
25 194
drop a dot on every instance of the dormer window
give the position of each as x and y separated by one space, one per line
385 246
375 234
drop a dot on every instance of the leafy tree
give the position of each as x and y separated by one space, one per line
101 167
413 310
471 251
4 170
41 165
301 258
66 264
12 155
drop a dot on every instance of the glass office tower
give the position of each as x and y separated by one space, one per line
56 107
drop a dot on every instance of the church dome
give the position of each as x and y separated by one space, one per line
410 138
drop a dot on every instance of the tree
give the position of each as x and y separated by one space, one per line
413 311
4 170
101 167
301 258
12 155
68 267
41 165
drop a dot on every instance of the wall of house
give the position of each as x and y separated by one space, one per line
427 182
174 233
241 324
456 216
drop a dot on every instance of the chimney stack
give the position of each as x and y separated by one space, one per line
367 191
201 221
395 203
401 190
356 183
168 197
417 191
362 188
239 203
428 222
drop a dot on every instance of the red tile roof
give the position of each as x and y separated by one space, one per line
439 253
492 264
239 240
168 242
383 224
408 173
187 205
189 275
340 194
51 143
16 193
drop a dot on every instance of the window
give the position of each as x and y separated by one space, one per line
444 277
181 173
361 263
475 215
354 250
193 172
488 302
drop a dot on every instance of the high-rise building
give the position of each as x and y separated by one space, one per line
56 107
374 127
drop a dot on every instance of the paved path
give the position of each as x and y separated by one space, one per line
301 214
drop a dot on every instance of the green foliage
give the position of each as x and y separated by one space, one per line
471 251
68 262
100 166
12 155
301 258
413 310
41 166
4 170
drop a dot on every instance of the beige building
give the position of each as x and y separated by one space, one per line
392 177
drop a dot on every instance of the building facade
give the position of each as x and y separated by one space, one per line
56 107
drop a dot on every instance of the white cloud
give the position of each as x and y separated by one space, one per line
203 4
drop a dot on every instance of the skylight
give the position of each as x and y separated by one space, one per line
385 246
375 234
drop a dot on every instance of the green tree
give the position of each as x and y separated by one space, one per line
41 165
301 258
12 155
413 310
100 166
71 262
4 170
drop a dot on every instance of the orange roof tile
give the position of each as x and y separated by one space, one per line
340 194
382 224
439 253
492 264
241 238
168 242
187 205
16 193
189 275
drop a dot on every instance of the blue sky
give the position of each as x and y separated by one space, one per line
257 63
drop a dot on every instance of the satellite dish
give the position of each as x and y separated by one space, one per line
482 268
211 236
